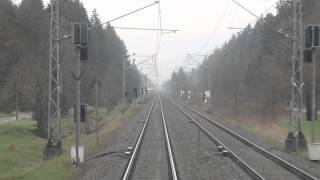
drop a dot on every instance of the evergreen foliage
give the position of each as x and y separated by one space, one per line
254 66
24 58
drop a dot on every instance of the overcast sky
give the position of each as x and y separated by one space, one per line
196 20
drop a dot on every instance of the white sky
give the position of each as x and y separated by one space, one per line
196 20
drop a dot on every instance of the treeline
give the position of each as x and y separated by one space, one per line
251 72
24 58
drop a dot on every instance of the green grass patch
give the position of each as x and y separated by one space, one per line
21 150
306 128
5 114
274 131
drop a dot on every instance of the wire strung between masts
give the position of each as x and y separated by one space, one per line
132 12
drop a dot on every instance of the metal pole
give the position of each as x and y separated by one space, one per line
54 145
124 98
314 96
145 84
302 140
97 112
296 115
17 102
78 66
209 88
292 128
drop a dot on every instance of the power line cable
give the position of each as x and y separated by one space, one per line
159 34
266 11
145 29
216 27
256 19
246 9
132 12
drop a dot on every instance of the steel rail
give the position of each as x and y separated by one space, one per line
285 164
174 173
128 172
253 173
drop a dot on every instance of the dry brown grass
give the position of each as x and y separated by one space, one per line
266 127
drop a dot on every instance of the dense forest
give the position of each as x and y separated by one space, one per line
24 58
251 72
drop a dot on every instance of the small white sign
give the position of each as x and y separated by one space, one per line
81 153
181 93
314 151
207 94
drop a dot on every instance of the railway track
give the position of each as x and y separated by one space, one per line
152 155
255 160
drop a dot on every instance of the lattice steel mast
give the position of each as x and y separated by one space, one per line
54 146
296 116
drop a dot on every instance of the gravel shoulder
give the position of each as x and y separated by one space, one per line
111 167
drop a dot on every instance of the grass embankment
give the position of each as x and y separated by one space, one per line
4 114
275 131
269 130
307 128
21 150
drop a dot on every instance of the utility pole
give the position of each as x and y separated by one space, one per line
146 84
77 106
209 88
80 41
17 101
293 141
124 93
97 84
54 145
314 96
206 57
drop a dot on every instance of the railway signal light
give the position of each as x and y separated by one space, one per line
84 34
135 93
307 56
312 36
308 101
203 96
83 53
308 35
80 39
80 34
76 34
83 112
316 36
